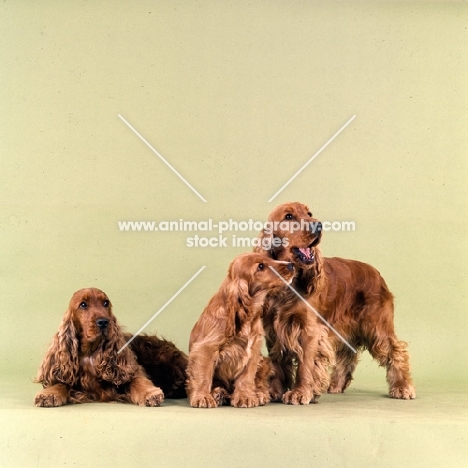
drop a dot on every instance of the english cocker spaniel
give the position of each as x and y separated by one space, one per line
350 295
225 360
83 363
164 364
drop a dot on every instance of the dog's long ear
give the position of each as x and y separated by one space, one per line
238 300
111 365
264 243
61 362
316 282
239 292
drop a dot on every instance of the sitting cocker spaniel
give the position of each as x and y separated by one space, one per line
225 360
87 360
350 295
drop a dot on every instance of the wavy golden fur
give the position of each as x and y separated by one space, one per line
83 363
350 295
225 358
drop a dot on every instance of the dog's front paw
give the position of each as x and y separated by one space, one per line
335 389
276 396
220 395
276 390
263 398
245 401
403 392
154 397
49 400
203 401
339 383
298 397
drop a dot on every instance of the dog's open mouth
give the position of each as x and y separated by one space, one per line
304 254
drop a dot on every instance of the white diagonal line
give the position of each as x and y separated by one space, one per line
161 309
159 155
314 311
312 158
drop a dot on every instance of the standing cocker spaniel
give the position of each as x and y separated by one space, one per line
350 295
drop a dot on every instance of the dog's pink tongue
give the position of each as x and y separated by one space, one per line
306 252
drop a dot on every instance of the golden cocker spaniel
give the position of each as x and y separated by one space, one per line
225 360
83 363
352 296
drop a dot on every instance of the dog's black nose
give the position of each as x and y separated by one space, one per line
102 323
316 227
290 266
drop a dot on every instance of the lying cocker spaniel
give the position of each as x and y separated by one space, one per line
83 363
225 358
164 364
350 295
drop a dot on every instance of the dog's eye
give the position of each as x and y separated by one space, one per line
105 303
83 305
289 216
261 266
309 214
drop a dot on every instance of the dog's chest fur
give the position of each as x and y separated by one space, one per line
240 348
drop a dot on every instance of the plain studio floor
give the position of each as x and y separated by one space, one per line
360 428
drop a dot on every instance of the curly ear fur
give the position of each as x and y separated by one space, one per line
61 362
240 288
265 244
112 366
242 302
239 299
316 275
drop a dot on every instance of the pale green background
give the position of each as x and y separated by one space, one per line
237 96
